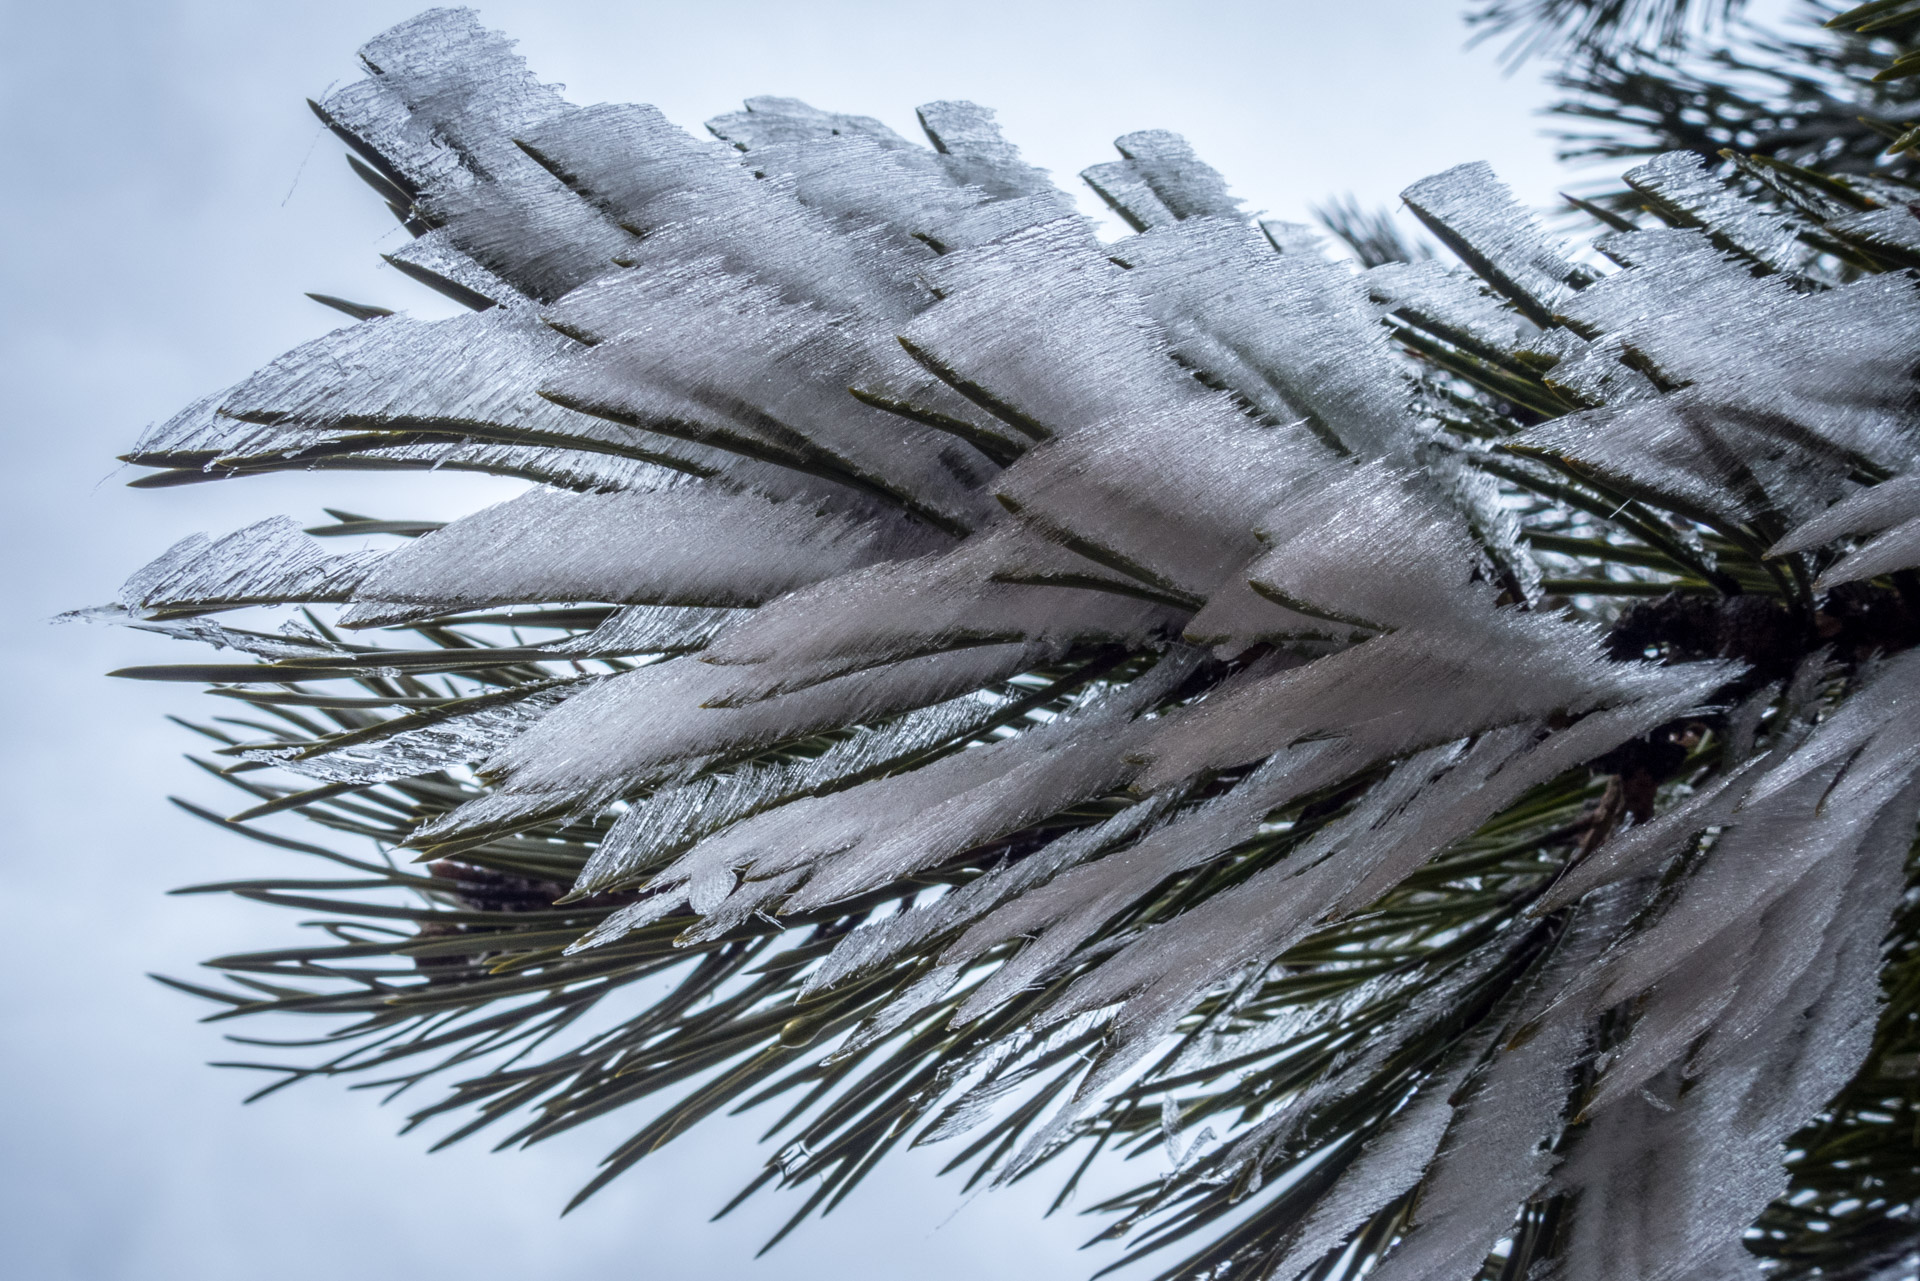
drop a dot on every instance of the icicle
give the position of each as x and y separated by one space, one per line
921 995
1166 967
1051 279
1372 550
1888 695
885 941
460 81
1897 228
191 438
689 200
404 376
770 121
271 562
904 609
1293 237
640 727
1731 987
206 440
1680 189
1186 534
439 743
1810 811
1074 758
1590 373
689 545
1388 1165
1159 180
443 106
1452 304
1294 334
856 839
649 629
1242 1158
1188 186
1667 1182
1897 549
1866 511
1128 194
860 183
1476 216
1787 393
434 261
1157 976
974 152
1062 914
1236 618
1682 303
1002 1067
1497 1151
717 359
289 645
673 820
1412 689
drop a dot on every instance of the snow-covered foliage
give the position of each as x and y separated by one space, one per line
1101 684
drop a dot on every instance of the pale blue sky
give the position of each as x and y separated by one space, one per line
168 198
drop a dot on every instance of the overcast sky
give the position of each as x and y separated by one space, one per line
167 200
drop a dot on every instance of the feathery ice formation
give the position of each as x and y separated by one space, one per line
1082 686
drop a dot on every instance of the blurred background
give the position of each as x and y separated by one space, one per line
168 199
